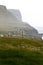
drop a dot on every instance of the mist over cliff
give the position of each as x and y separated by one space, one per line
11 20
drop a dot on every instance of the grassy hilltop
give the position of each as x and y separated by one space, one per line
17 51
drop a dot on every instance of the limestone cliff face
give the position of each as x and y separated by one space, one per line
12 21
16 13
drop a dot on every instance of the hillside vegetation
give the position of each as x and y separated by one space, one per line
18 51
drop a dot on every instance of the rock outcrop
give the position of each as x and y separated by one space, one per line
11 23
16 13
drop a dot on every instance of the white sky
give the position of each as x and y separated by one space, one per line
31 10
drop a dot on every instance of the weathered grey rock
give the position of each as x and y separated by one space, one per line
12 24
16 13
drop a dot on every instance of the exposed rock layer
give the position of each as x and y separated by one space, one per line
10 22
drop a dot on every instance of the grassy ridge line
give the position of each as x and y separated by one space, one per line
15 41
17 51
18 43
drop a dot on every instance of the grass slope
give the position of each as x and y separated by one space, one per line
17 51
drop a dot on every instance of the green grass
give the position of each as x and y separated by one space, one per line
17 51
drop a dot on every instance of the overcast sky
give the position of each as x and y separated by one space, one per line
31 10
